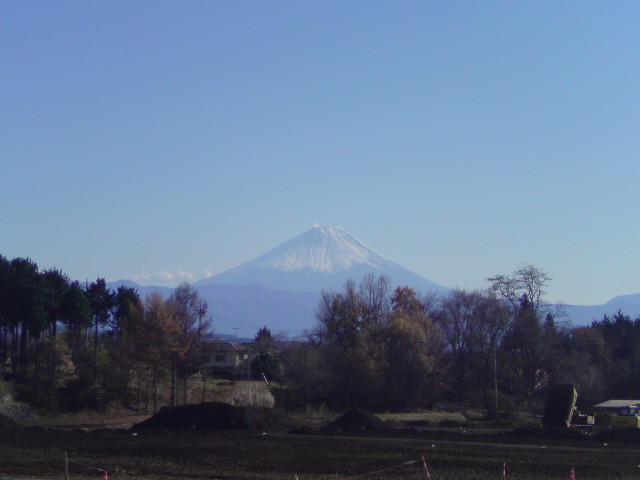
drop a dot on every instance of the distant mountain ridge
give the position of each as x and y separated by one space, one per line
281 288
586 314
246 308
249 307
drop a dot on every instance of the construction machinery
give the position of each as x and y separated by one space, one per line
560 412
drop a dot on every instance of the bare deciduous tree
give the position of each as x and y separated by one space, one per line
472 323
374 295
191 324
527 282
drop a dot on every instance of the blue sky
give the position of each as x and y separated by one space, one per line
172 140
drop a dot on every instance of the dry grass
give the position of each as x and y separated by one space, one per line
458 418
315 416
427 418
243 394
89 420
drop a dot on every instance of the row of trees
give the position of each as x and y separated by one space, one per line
496 348
69 345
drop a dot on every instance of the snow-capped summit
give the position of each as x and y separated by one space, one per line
321 258
321 249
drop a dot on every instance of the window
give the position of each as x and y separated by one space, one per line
220 357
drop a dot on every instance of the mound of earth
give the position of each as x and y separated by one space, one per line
7 424
569 434
218 416
533 431
621 435
358 419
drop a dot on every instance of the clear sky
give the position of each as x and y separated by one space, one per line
161 141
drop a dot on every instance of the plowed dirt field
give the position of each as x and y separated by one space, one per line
251 455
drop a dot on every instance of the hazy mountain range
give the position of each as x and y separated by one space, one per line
585 314
282 287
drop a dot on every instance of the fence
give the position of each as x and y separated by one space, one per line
420 469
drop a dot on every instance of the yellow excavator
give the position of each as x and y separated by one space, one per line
560 412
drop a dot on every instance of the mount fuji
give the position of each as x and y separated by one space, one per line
281 288
322 258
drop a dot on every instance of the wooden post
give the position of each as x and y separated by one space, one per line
66 466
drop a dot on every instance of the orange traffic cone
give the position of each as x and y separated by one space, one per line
572 476
106 475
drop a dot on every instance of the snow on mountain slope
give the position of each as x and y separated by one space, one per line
321 258
321 249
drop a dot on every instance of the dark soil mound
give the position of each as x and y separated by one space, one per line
622 435
7 424
358 419
218 416
532 431
570 434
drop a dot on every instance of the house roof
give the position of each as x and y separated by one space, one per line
617 404
226 346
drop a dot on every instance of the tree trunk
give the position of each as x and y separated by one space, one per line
147 389
5 345
37 353
73 343
14 350
95 354
155 389
51 368
23 350
139 389
184 386
173 382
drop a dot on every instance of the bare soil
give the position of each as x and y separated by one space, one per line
218 416
257 455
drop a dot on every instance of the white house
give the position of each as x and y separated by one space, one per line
229 358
